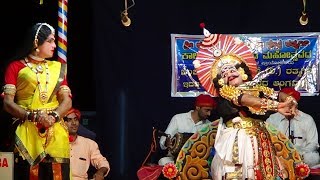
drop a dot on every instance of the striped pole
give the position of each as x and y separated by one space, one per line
62 31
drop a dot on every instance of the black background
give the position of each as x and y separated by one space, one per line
124 73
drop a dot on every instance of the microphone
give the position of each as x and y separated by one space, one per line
290 117
291 136
125 20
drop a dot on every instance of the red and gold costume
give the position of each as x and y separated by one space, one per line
245 146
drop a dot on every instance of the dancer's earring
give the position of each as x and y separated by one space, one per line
221 82
244 76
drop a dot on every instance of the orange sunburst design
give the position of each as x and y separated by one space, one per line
208 41
206 60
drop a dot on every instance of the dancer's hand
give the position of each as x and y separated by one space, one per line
42 117
288 108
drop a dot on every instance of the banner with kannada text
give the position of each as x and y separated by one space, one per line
292 57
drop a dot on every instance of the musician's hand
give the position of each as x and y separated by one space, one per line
98 176
168 142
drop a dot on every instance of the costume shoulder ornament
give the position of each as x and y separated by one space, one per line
230 93
256 89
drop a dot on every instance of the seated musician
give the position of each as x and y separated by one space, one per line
301 130
189 122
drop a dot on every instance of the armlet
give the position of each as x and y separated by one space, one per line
9 89
64 89
231 93
268 92
265 105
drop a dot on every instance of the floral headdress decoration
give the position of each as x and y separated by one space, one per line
218 51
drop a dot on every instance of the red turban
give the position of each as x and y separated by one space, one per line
291 92
75 111
204 100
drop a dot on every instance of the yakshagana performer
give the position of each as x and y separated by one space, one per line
36 93
246 146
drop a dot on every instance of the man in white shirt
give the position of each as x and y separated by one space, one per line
301 129
189 122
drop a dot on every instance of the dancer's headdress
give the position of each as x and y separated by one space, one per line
216 51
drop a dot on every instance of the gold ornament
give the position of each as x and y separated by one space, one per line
231 93
244 76
221 82
9 89
43 96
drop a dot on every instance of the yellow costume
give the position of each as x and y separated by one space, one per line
33 145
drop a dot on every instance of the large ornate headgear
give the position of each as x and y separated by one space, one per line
218 51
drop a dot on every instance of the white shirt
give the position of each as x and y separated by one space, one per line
302 126
182 123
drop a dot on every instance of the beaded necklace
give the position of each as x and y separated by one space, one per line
38 70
